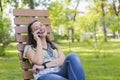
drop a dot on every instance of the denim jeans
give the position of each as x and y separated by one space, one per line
71 70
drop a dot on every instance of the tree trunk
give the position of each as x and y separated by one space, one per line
118 34
114 36
78 1
95 37
1 6
115 9
72 30
74 19
69 39
2 51
103 23
31 4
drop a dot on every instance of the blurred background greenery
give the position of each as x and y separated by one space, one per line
91 28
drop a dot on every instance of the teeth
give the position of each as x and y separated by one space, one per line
42 32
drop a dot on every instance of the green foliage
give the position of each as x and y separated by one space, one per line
57 15
62 15
15 2
67 1
58 37
4 34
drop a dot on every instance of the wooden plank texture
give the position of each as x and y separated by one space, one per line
26 65
27 75
20 47
20 56
24 29
20 29
21 38
30 12
26 21
24 38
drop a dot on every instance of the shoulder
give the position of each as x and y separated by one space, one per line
27 46
26 49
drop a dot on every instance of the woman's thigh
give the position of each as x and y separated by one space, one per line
51 76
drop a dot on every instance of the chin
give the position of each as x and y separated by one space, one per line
44 35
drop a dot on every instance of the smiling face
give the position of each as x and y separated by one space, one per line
39 26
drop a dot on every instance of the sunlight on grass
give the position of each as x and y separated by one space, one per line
85 54
0 44
12 51
101 63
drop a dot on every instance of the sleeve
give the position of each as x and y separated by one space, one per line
27 48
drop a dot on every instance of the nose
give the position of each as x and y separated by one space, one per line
38 27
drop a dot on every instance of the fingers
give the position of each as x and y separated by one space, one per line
34 70
36 35
36 32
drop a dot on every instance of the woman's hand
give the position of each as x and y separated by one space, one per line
36 68
36 35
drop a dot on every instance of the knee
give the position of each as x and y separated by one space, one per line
73 56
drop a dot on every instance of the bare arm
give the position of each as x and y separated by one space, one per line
59 61
56 62
36 57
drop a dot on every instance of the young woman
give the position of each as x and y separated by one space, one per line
47 57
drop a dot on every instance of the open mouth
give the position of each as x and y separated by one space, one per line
42 31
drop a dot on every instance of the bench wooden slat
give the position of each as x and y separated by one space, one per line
20 55
20 29
26 65
24 38
27 75
30 12
21 38
24 29
20 47
24 21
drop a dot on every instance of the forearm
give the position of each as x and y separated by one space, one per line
39 57
56 62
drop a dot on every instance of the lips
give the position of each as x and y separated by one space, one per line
42 30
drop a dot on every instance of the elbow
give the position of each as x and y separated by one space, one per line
61 61
62 58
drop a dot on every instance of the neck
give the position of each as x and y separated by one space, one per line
44 43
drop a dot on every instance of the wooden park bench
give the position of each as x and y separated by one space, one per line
22 17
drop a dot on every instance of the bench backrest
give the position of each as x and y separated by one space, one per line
22 17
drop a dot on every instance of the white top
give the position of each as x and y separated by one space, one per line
49 55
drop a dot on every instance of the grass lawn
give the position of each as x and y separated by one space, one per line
102 63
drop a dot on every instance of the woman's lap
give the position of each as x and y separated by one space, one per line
71 69
51 76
